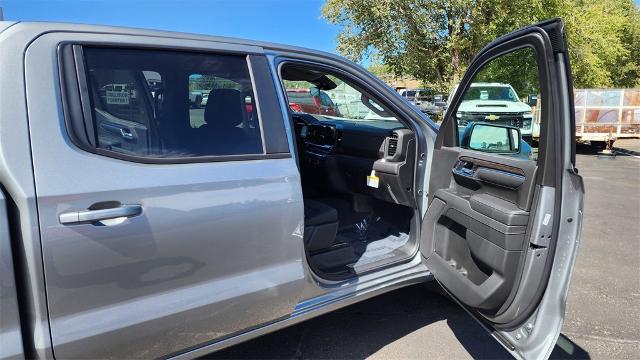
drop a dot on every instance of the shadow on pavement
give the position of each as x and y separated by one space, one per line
567 349
405 318
586 149
619 149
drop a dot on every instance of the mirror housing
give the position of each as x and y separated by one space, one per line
532 99
493 138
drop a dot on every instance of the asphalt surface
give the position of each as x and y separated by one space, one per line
603 309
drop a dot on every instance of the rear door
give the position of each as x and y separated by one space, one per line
502 227
163 227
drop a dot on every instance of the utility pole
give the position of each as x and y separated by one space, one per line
1 17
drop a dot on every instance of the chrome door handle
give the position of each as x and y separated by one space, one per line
90 216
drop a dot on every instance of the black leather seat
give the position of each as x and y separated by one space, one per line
221 135
320 225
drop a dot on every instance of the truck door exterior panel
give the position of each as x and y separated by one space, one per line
217 248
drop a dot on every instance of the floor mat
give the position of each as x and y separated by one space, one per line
373 239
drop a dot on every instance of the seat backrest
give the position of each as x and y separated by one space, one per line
225 110
225 131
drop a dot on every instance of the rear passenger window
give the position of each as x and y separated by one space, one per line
172 104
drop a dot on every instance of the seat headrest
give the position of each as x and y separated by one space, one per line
225 109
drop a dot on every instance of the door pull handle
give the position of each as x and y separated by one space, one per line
97 215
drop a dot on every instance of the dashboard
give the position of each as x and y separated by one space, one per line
340 154
318 134
357 138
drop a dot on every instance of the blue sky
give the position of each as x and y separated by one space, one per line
294 22
285 21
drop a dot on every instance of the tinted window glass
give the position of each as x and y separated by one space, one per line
490 92
172 104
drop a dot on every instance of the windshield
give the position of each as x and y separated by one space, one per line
340 101
504 93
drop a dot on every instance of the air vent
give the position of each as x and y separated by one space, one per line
392 146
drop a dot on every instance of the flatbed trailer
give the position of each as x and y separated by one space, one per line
605 115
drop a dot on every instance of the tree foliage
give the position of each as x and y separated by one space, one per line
208 82
518 69
434 40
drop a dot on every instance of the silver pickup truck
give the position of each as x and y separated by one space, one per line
134 225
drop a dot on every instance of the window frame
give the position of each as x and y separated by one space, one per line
549 130
80 122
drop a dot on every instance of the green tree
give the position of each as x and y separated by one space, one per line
208 82
434 40
518 68
378 69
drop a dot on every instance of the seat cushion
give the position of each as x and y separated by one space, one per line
316 213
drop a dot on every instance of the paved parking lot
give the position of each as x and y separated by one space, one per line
603 308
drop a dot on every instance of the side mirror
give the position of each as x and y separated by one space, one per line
532 99
493 138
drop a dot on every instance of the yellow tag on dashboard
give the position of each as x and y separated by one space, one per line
372 180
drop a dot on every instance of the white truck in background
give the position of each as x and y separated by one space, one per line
602 115
497 103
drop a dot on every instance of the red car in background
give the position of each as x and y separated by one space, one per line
312 101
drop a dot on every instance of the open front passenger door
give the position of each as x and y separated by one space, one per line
505 208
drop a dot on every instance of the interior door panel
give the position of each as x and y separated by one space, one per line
480 223
500 233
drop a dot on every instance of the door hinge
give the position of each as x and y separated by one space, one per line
504 341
